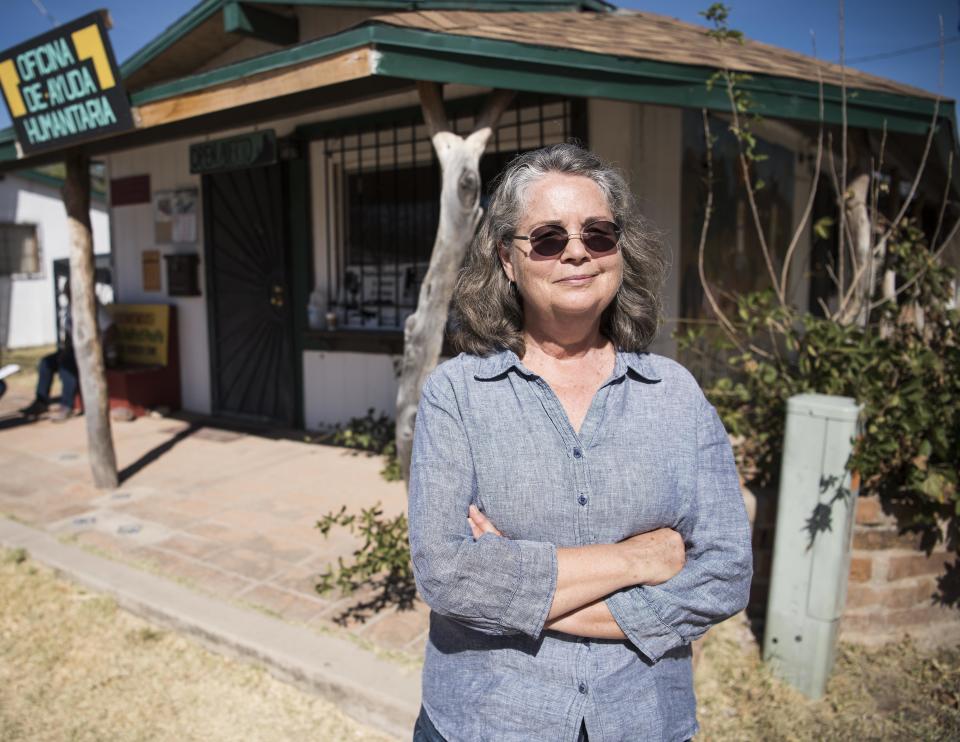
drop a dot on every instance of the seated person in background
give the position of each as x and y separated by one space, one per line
64 362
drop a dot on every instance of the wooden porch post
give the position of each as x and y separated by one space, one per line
86 338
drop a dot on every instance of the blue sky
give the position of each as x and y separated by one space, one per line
873 27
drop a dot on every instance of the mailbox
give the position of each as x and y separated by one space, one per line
182 274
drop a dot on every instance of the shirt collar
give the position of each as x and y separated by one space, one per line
498 363
638 363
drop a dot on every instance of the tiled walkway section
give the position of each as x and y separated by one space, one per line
231 514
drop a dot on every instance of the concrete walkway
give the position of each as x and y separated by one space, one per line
228 515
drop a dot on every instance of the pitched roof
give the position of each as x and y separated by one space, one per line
200 34
639 35
619 55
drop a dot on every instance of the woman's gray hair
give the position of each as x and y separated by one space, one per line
488 311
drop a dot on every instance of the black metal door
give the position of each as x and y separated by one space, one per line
251 325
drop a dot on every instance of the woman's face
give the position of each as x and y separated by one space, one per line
577 283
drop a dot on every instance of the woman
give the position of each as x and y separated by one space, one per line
575 515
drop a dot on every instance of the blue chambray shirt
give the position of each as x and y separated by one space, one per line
650 453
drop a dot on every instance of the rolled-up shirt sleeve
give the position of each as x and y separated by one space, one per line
714 584
493 585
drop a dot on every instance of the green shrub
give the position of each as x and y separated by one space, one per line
903 368
381 562
376 435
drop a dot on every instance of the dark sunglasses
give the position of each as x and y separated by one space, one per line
550 240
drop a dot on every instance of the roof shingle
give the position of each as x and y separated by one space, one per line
639 35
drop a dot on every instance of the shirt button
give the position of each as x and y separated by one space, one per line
577 453
582 500
582 688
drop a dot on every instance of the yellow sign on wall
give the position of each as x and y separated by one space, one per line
143 332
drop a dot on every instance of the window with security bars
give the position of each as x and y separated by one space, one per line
382 199
19 249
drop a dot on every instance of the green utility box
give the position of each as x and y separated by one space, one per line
811 557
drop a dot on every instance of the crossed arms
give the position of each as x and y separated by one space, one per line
588 574
657 590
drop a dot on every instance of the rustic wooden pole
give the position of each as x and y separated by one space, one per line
460 213
86 339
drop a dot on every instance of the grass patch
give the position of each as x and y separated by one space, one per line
896 692
74 666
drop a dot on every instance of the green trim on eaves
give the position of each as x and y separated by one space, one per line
264 63
177 30
594 83
509 53
424 55
206 8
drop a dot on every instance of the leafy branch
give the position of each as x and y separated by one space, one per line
381 562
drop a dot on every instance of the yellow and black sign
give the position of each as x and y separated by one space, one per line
143 332
64 87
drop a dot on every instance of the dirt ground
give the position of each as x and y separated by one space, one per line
896 692
75 667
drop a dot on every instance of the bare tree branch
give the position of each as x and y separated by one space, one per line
843 152
843 230
878 172
751 199
836 282
913 188
725 323
431 101
944 201
788 257
926 149
493 108
916 180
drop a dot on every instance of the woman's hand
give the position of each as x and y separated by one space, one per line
480 524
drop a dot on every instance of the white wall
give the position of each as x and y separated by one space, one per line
133 232
646 143
339 386
132 229
26 302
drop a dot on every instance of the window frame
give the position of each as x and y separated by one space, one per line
400 141
37 274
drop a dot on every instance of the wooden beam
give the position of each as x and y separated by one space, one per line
431 101
247 20
343 67
494 107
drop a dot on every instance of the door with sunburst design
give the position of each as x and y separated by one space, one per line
251 325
